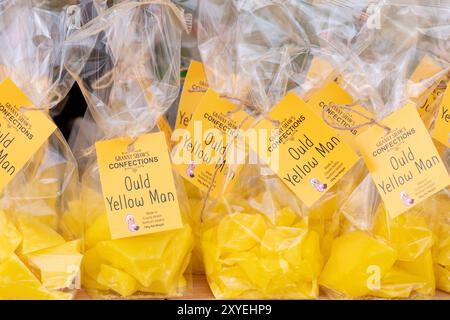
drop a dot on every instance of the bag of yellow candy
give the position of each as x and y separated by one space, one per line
255 239
137 242
394 228
441 257
375 256
40 251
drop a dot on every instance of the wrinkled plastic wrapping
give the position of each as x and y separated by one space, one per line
400 60
126 62
39 237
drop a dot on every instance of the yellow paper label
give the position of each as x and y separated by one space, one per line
428 108
404 163
138 185
312 157
195 86
426 69
164 127
442 125
22 132
332 94
418 91
201 155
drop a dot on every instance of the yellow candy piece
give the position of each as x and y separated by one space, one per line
442 278
168 277
117 280
240 231
72 220
150 258
408 233
285 217
14 272
97 232
324 219
229 282
443 254
22 292
281 239
252 267
58 266
175 260
397 283
271 262
37 235
90 264
139 256
18 282
10 238
312 261
422 267
211 251
90 284
356 260
197 260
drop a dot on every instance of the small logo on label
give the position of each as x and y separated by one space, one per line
190 169
132 226
407 200
321 187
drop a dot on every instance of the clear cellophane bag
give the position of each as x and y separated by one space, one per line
256 238
39 232
127 64
399 58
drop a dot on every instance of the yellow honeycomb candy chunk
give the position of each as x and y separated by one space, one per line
229 283
408 233
252 267
90 284
442 278
271 262
10 238
324 219
285 217
175 260
176 257
422 267
58 266
23 292
397 283
150 257
98 231
14 272
443 255
280 239
72 220
197 260
139 257
311 257
355 258
240 231
117 280
18 282
37 235
211 251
